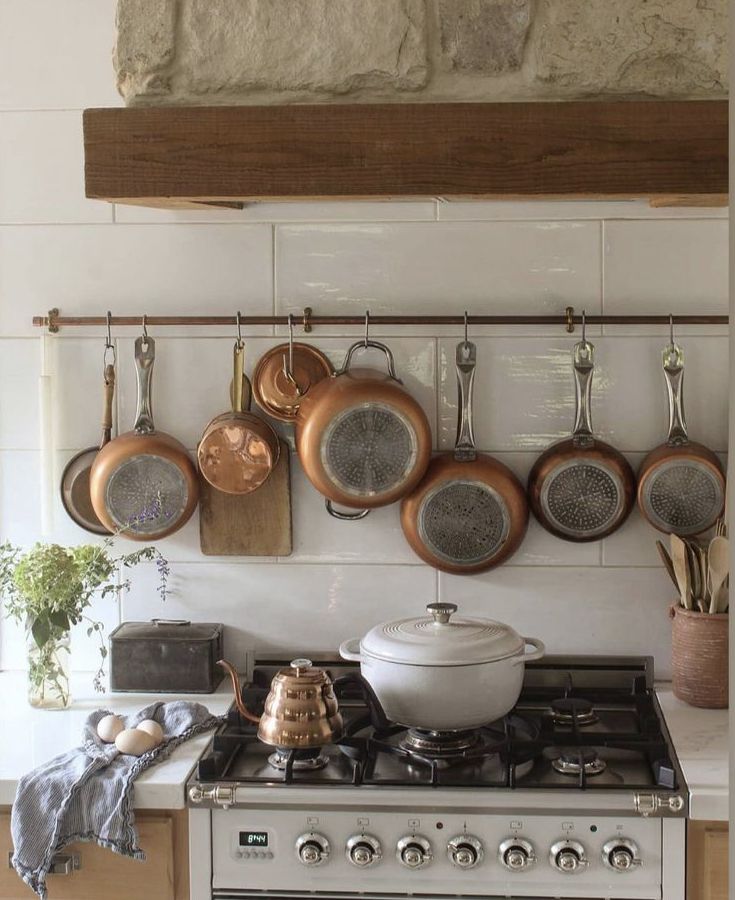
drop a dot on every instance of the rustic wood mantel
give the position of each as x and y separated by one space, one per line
667 151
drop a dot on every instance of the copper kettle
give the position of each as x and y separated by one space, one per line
301 710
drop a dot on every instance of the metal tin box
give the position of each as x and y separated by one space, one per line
166 656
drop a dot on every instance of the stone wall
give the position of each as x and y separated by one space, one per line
280 51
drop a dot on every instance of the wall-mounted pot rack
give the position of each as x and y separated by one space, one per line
54 321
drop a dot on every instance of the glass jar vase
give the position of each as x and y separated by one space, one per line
48 671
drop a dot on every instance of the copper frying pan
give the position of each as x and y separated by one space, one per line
238 450
469 512
143 483
580 488
681 486
75 494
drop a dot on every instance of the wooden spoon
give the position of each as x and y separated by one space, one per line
666 560
680 562
719 569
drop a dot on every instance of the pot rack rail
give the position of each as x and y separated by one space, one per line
54 321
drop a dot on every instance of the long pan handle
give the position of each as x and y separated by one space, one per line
673 360
109 393
584 367
238 386
466 359
145 356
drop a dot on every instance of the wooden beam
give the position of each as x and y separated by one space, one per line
170 155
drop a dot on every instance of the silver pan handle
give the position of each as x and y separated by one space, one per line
375 345
584 367
345 516
466 359
673 360
145 356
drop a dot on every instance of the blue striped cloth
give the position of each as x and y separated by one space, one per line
87 793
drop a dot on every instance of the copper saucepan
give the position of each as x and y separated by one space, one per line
681 485
143 483
363 441
238 450
301 709
469 511
580 488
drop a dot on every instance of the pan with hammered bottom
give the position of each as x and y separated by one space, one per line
681 486
143 483
580 488
469 511
75 493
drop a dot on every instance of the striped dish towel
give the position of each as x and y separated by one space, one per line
87 793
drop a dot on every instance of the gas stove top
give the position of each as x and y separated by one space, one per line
576 793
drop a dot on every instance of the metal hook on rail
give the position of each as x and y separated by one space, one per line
109 345
145 328
367 327
288 359
466 328
238 322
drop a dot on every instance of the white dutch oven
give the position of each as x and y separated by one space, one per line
443 672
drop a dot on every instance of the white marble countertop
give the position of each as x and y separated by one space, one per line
700 738
30 737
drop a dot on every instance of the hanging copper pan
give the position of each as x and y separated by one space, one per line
363 441
238 450
681 485
580 488
469 511
143 483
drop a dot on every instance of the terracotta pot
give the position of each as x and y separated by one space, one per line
699 657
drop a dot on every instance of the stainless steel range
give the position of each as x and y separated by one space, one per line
577 793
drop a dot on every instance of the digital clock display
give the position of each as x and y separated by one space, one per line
253 838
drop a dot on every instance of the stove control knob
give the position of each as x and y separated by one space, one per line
568 857
516 854
465 851
414 852
312 849
621 854
363 850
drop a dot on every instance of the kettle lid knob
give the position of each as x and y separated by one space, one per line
441 612
299 665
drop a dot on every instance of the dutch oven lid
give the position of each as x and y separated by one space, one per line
441 639
167 630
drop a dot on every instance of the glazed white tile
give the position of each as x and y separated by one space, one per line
281 608
665 267
438 268
550 210
57 55
192 376
20 500
575 610
78 392
42 170
524 392
306 211
133 269
19 371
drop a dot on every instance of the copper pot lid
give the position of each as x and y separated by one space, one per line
277 393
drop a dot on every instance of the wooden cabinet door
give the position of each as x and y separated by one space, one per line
102 873
707 851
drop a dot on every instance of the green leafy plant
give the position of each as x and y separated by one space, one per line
50 587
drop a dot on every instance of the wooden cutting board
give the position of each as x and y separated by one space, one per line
255 524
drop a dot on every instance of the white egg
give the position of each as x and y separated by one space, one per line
134 742
151 727
109 727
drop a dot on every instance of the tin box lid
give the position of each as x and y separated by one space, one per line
167 630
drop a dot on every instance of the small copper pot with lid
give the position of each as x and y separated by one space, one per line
301 710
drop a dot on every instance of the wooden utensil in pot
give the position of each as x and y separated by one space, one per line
681 486
469 512
75 480
143 482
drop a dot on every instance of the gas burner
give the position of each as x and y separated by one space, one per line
572 760
439 743
573 711
303 760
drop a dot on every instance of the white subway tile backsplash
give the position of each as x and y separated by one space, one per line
575 610
20 498
551 210
133 269
20 366
438 268
42 170
57 55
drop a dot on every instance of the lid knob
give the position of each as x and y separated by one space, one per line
300 665
441 612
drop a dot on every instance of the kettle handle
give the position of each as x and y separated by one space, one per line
242 709
350 649
537 653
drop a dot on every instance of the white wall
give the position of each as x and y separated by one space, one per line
58 249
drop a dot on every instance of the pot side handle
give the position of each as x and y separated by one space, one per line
350 650
534 654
